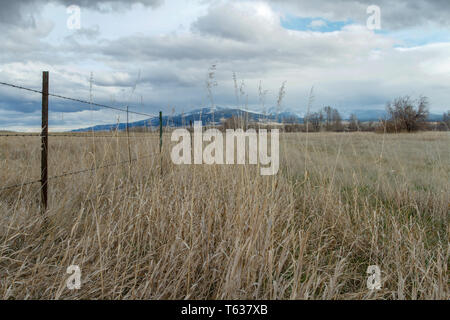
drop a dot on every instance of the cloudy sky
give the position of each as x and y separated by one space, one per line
156 55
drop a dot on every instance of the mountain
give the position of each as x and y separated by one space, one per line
366 115
216 115
377 114
206 115
435 117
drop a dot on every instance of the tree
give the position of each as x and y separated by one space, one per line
446 119
406 114
328 112
315 119
233 123
354 123
337 121
332 119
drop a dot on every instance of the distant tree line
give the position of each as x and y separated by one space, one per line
404 114
327 119
445 124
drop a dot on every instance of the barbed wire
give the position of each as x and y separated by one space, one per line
73 136
77 100
75 173
96 136
19 185
97 168
20 135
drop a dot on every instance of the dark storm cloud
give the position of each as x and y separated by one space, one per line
12 12
23 12
107 5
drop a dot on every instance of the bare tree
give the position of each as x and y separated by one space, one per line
446 119
328 113
315 119
354 123
234 123
337 120
407 114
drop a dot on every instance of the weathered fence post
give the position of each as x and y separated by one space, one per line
191 132
160 140
128 139
160 132
44 143
127 119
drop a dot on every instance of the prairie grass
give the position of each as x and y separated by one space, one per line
154 230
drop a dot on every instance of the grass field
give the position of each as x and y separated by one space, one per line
153 230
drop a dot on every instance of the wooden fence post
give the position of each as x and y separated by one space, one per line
160 132
44 143
160 140
128 139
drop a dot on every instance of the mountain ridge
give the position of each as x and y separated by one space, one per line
217 114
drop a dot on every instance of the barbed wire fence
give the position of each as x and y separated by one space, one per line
44 135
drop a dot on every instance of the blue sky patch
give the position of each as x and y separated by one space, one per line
419 37
312 24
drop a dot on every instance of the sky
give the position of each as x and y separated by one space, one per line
154 55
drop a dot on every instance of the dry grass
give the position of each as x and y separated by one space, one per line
225 232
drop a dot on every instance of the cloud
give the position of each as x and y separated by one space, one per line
351 68
317 24
86 33
23 12
237 22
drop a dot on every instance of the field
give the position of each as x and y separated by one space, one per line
154 230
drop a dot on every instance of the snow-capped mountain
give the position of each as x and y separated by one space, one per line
206 115
216 115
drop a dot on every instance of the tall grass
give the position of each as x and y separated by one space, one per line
225 232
